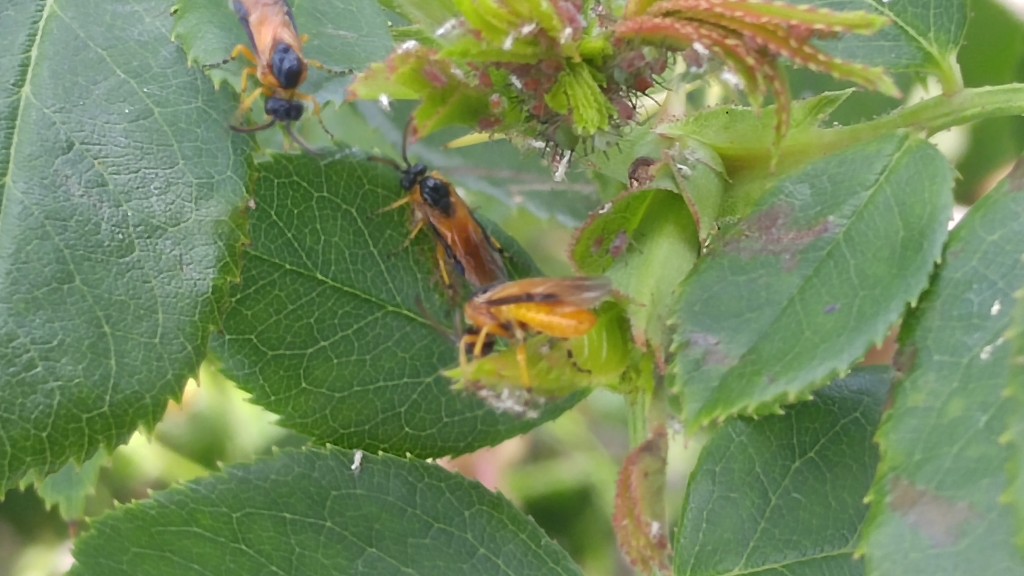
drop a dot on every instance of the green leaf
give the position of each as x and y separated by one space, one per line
68 488
744 138
343 34
378 515
337 325
630 240
784 494
120 178
448 97
1015 432
924 36
430 17
935 504
647 159
819 271
578 89
859 106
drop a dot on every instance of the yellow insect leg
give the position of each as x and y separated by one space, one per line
319 66
400 202
478 346
243 50
246 106
442 261
316 110
481 338
329 70
250 71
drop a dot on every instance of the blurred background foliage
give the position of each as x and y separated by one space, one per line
563 473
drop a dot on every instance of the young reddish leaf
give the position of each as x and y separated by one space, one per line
640 505
753 36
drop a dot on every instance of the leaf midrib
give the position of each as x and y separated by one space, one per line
810 454
23 96
346 289
930 45
712 399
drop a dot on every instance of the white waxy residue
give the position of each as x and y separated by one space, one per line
563 167
447 27
732 79
986 352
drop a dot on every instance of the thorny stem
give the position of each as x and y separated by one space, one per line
946 111
929 116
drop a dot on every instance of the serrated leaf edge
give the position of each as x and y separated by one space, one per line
824 376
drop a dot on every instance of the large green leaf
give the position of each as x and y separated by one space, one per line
319 512
784 494
819 271
1015 428
923 37
936 501
119 180
343 34
332 327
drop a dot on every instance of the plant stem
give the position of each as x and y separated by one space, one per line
929 116
949 76
647 403
636 417
945 111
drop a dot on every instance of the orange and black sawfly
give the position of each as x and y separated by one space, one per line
462 241
277 63
558 307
